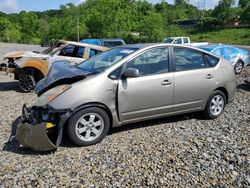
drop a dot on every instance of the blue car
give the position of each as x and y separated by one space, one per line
237 56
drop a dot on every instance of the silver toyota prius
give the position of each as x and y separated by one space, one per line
124 85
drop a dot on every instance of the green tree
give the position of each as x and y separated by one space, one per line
151 27
9 32
224 13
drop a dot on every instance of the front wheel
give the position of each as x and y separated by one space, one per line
215 105
238 67
26 82
88 126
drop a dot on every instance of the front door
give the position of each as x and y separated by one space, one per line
150 94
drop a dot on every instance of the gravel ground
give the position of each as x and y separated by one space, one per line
179 151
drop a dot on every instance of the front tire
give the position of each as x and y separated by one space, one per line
26 82
88 126
215 105
238 67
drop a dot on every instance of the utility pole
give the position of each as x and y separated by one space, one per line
78 29
202 18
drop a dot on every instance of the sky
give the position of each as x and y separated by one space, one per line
15 6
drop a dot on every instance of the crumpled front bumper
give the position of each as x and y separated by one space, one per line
32 132
34 137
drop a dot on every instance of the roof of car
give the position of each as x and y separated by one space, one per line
96 47
211 47
144 45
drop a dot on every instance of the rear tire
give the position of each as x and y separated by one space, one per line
238 67
88 126
215 105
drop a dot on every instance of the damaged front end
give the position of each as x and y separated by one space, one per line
9 67
41 128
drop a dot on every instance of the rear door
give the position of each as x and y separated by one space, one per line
150 94
193 78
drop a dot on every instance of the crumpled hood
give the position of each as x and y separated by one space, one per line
28 54
61 72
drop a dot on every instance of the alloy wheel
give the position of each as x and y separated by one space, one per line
26 82
217 105
238 67
89 127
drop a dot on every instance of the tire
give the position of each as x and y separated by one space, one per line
215 105
238 67
26 82
88 126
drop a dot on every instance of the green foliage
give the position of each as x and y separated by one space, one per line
9 32
135 21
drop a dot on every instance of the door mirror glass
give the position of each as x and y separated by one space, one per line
130 73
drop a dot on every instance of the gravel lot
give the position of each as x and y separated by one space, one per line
180 151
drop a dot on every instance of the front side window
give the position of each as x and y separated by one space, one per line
188 59
67 51
152 62
178 41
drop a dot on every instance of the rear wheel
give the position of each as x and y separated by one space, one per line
215 105
88 126
238 67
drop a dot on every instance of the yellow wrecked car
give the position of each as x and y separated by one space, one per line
29 67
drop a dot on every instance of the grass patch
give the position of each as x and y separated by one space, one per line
240 36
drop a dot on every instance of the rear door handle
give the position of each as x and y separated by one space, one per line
209 76
166 82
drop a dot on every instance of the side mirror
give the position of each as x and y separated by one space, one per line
130 73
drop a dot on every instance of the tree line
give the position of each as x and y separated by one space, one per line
135 21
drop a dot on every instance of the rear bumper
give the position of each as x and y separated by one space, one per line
32 131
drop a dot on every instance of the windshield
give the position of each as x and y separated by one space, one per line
169 40
105 60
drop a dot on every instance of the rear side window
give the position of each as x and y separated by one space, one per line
185 40
211 61
188 59
218 52
80 52
229 50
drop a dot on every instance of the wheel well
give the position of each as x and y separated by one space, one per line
96 104
222 89
37 74
240 61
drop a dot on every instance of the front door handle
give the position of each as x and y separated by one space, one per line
166 82
209 76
